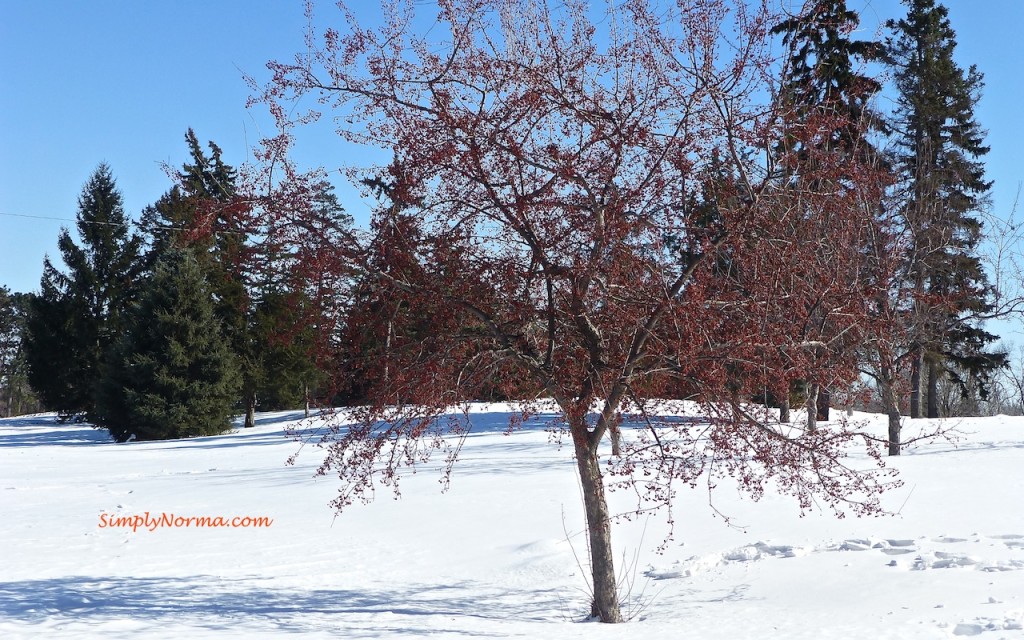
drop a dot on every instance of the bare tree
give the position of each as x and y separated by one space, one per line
592 205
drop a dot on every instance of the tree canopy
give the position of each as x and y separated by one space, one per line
539 225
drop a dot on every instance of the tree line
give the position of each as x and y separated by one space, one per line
161 329
931 143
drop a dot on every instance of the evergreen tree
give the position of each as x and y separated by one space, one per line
285 339
78 314
940 152
198 211
56 349
16 396
828 97
173 374
278 343
825 84
203 213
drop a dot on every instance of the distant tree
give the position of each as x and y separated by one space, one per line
172 374
940 151
203 213
827 89
290 374
78 314
887 346
280 344
16 395
541 169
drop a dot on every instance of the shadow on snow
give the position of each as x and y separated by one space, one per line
44 429
217 603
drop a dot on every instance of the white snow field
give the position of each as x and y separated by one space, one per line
495 557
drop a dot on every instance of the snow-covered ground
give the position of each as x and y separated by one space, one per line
496 556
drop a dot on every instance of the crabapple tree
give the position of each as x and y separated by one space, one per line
586 209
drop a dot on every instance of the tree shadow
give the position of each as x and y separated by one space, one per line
234 438
45 429
218 603
292 426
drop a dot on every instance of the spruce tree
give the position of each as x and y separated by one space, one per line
77 314
827 95
173 374
825 82
202 213
281 321
56 349
10 339
940 159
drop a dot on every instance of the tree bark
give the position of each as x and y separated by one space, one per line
812 407
891 406
915 384
933 389
605 605
824 404
894 432
250 410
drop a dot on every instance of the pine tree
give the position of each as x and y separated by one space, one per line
940 152
173 374
78 314
197 211
289 373
58 361
281 371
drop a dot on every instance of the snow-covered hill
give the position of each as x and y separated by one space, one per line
495 557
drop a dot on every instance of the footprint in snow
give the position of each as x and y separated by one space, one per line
1011 621
925 558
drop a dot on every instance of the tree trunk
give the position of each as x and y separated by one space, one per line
891 406
933 390
616 435
894 432
824 404
812 408
305 397
250 410
605 605
915 384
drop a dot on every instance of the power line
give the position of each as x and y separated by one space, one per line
130 223
23 215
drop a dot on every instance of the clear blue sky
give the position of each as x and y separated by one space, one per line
121 80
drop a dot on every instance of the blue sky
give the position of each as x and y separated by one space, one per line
121 80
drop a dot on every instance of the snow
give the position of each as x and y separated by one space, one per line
497 556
